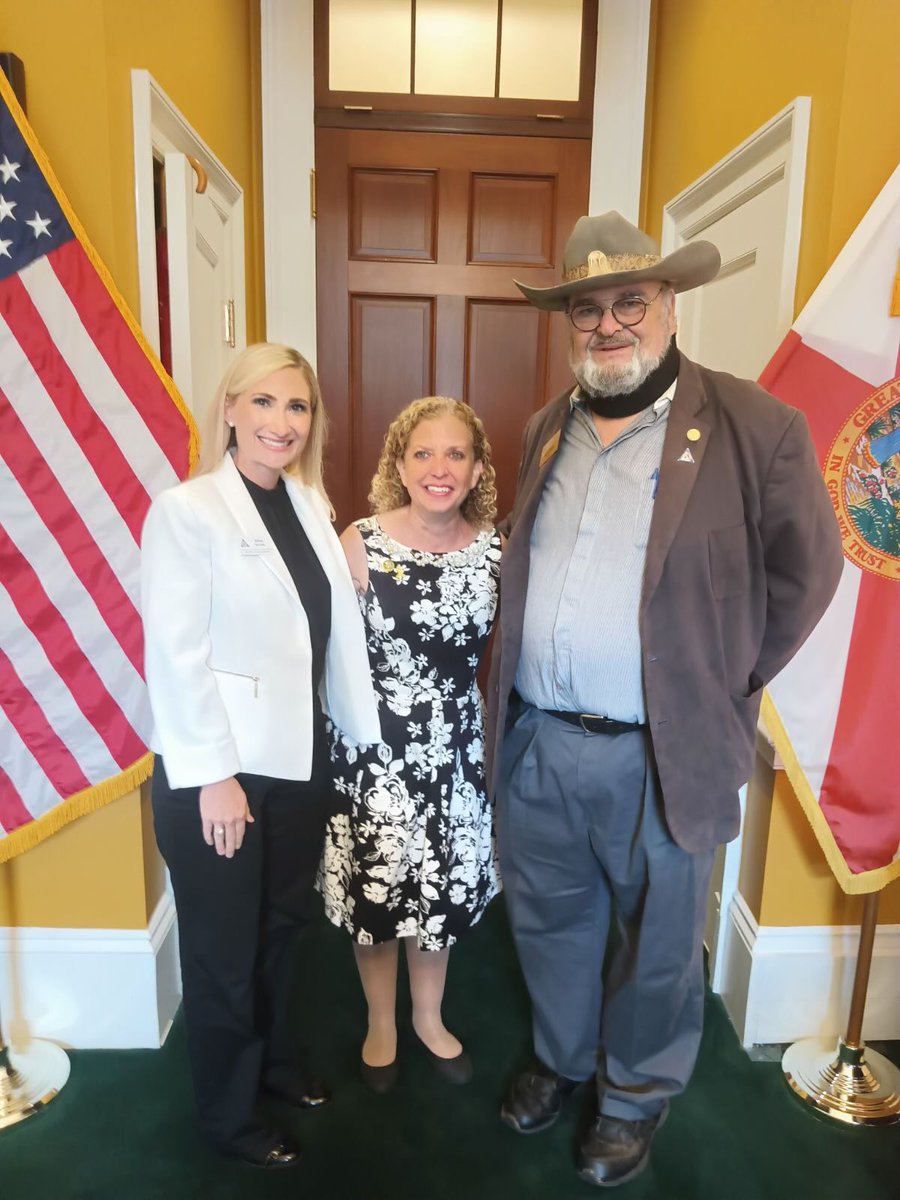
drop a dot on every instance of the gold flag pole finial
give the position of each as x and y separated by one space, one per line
850 1083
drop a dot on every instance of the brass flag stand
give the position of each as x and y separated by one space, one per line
29 1080
849 1083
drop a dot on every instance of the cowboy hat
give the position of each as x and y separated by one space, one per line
606 251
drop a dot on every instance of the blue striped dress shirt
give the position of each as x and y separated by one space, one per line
581 649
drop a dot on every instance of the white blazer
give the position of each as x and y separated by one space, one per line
226 640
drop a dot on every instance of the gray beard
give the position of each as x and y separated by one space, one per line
616 379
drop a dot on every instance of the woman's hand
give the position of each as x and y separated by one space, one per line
225 815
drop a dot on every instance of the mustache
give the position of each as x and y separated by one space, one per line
616 339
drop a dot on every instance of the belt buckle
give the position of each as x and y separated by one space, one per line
582 717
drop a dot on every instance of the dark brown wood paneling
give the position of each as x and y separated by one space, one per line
392 363
506 348
393 215
511 221
368 372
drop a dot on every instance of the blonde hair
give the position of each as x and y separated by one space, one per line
387 491
245 371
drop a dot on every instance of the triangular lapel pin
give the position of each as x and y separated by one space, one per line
686 456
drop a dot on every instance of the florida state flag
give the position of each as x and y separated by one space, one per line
834 712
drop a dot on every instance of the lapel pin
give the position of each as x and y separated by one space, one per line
549 448
693 435
686 456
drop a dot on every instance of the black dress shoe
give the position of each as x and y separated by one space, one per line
615 1150
300 1093
285 1153
379 1079
535 1098
455 1070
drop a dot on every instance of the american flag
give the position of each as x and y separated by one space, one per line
91 429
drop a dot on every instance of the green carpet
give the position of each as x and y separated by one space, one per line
123 1126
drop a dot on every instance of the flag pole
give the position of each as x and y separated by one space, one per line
36 1070
852 1084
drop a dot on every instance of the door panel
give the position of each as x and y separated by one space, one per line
419 237
391 340
201 282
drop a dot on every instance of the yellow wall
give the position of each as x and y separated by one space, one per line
103 871
721 69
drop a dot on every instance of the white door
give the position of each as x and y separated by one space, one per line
750 206
205 295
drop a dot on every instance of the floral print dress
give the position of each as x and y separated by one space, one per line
409 849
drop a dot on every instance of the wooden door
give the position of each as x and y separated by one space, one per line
419 237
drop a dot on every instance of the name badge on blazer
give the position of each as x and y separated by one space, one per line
549 448
254 545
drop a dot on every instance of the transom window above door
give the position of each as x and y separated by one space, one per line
523 61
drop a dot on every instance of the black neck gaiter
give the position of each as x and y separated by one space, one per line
629 403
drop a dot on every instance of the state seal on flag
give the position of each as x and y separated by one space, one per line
862 473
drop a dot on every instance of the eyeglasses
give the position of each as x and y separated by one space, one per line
627 311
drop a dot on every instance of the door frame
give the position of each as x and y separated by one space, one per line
160 128
775 151
288 137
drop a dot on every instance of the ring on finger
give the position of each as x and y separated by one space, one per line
220 831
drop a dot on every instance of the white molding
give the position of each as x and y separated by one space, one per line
97 989
783 983
620 97
288 138
159 128
776 150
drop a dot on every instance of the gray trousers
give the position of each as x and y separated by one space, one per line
582 841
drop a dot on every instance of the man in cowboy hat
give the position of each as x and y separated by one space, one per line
671 546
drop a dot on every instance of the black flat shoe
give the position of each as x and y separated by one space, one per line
535 1099
454 1070
300 1093
379 1079
285 1153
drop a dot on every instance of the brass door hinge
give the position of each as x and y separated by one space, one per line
312 193
229 323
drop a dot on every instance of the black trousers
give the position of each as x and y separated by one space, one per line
238 920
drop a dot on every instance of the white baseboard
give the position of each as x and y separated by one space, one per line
98 989
781 984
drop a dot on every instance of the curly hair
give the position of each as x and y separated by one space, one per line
387 491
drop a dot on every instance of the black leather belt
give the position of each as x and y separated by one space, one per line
594 724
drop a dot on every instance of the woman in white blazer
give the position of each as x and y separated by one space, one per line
252 634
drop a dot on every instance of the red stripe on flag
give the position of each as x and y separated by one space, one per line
122 353
97 443
62 519
859 796
65 655
27 718
13 812
808 380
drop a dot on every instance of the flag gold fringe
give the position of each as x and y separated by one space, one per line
83 802
101 268
853 883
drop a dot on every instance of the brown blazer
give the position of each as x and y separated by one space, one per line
743 557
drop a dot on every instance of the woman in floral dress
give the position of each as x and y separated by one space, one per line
409 851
